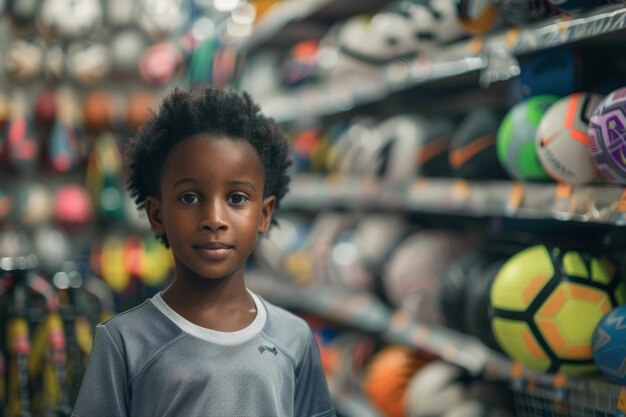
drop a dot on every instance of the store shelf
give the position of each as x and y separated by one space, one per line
354 406
368 314
276 24
277 18
602 204
492 55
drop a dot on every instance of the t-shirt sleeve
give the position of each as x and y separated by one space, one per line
103 390
311 396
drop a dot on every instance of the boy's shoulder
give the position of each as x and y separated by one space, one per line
287 330
141 323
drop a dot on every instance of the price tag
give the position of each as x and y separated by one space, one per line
449 352
400 320
562 195
559 382
460 191
336 184
563 26
622 202
516 196
420 336
475 45
621 403
512 37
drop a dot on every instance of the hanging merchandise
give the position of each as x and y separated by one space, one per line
23 59
114 271
63 151
72 206
23 12
162 18
22 148
119 13
88 62
127 47
69 18
33 205
54 61
201 64
138 108
103 177
159 263
46 108
98 108
161 63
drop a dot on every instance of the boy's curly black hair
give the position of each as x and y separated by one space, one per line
205 110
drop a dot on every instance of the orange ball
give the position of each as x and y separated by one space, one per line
46 107
388 376
98 111
139 107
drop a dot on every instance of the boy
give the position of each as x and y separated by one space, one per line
209 170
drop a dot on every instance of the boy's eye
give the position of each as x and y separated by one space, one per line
237 199
190 199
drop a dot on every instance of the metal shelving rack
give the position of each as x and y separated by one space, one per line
485 60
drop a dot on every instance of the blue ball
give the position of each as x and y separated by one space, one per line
609 345
552 72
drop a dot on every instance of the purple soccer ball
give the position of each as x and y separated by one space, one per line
607 137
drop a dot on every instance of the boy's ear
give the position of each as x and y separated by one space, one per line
266 213
155 215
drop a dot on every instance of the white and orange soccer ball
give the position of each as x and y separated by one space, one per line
562 139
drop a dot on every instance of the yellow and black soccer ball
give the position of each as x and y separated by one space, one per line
546 303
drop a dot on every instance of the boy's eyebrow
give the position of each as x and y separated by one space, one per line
242 182
230 182
185 180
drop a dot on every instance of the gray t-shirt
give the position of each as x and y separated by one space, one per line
150 361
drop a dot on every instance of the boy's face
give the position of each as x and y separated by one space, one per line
211 206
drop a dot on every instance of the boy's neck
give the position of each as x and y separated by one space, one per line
223 305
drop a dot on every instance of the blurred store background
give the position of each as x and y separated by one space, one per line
455 230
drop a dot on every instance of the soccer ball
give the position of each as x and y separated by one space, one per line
520 12
609 345
571 5
546 304
607 137
562 139
477 16
516 138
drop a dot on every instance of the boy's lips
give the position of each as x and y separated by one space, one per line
213 250
213 245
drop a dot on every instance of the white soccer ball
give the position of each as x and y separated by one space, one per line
562 138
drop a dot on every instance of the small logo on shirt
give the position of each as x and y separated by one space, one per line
270 349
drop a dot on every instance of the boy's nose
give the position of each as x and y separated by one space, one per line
213 219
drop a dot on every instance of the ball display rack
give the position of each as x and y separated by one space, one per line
482 61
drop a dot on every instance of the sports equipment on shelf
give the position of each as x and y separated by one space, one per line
516 138
546 304
477 16
609 345
607 137
562 139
